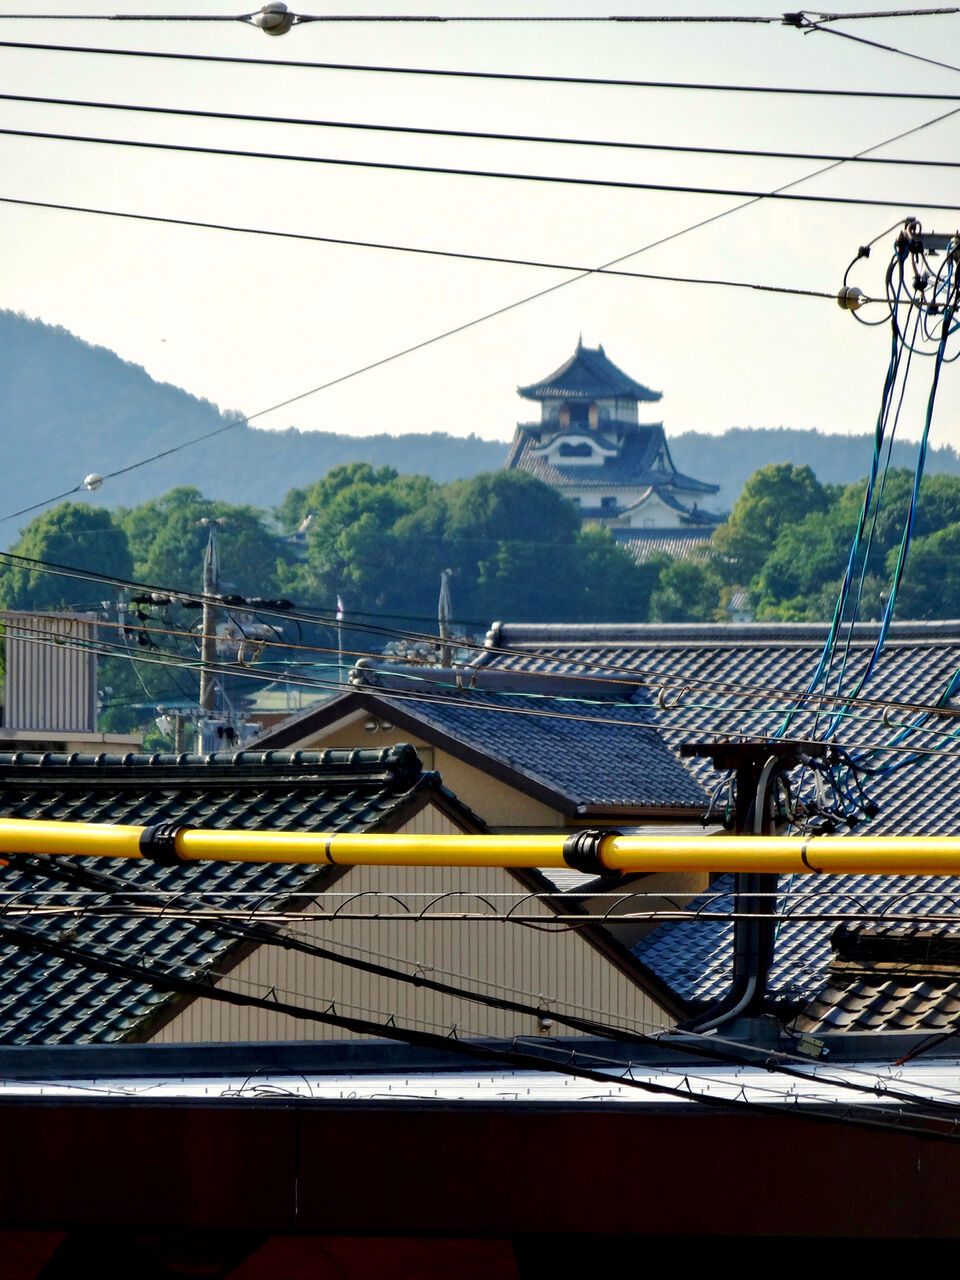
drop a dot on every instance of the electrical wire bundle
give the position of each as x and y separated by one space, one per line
921 289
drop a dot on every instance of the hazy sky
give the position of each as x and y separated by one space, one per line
248 321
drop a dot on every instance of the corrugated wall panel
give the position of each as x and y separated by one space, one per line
557 969
49 683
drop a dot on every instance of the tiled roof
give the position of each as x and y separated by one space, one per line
890 977
738 679
586 745
636 463
681 544
707 672
694 957
54 1000
588 375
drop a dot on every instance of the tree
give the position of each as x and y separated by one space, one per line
381 540
612 586
73 534
773 498
931 580
687 591
167 541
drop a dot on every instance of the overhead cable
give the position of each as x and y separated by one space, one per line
301 19
564 1060
519 77
706 723
630 675
493 174
458 255
875 44
473 134
725 1051
477 320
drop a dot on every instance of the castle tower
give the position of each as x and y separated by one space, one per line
591 446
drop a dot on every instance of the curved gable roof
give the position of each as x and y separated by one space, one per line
588 375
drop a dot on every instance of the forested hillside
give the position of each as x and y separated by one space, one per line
80 408
729 459
68 408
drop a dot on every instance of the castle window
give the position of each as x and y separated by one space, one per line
607 503
568 450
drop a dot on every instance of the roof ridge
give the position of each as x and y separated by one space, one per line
627 633
398 763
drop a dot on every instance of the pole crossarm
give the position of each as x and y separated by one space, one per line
604 853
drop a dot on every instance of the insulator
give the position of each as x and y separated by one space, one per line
850 298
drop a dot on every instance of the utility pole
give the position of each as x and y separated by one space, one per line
208 645
756 766
444 616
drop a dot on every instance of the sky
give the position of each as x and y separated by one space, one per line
248 321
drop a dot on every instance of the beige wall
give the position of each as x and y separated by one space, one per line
498 804
557 969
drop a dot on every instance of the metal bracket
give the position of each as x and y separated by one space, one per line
159 843
582 852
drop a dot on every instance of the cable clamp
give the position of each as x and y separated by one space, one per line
582 852
159 843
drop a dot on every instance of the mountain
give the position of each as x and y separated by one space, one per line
729 459
68 408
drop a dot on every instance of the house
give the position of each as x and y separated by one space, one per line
590 445
525 752
105 951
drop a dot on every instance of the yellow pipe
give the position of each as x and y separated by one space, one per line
791 855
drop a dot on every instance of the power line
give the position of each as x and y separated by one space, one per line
573 1062
875 44
520 77
473 134
420 697
455 254
299 19
477 320
119 893
633 675
496 174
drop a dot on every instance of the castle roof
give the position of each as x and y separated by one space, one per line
588 375
642 459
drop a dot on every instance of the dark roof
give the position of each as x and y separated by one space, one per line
56 1000
708 667
588 375
573 745
892 977
739 679
636 463
813 983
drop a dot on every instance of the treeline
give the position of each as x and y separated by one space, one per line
374 538
379 541
370 537
787 544
729 458
81 408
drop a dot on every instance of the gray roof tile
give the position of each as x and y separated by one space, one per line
738 679
55 1000
717 666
